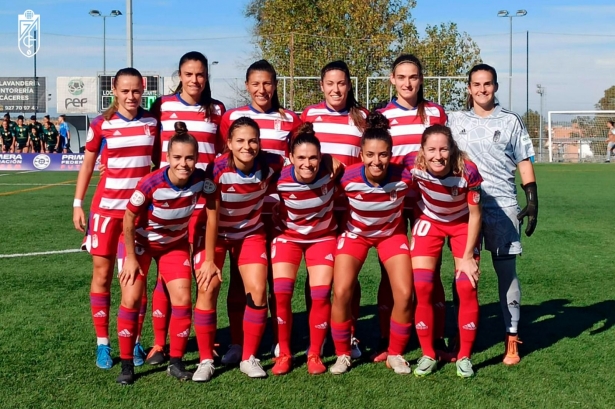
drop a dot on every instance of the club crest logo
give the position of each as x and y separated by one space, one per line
324 190
29 38
277 124
454 191
393 195
496 136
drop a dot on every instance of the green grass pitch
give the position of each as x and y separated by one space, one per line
567 272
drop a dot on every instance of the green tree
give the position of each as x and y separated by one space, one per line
300 36
607 102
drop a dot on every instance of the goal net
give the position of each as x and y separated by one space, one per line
577 136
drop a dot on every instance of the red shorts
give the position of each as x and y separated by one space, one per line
173 263
196 226
321 253
251 250
387 247
102 235
428 238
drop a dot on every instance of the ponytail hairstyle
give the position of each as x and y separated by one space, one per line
456 156
261 157
182 136
304 134
352 105
479 67
377 129
264 65
133 72
205 101
421 101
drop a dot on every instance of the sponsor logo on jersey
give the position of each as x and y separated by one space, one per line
421 326
394 122
165 204
100 314
94 241
187 263
404 246
463 131
117 133
137 198
281 321
359 197
318 119
264 255
125 333
231 189
513 304
329 257
173 116
158 314
470 327
496 136
292 196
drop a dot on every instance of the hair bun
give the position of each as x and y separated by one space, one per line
306 128
375 120
180 127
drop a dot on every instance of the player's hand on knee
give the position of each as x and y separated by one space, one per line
470 268
206 273
531 208
129 271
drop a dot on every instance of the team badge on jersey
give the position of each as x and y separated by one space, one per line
147 130
90 135
277 124
273 251
137 198
209 186
476 197
324 190
350 121
454 191
393 195
496 136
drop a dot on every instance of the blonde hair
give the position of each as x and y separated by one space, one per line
457 157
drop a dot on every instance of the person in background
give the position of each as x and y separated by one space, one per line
610 141
22 136
51 137
39 134
6 137
64 134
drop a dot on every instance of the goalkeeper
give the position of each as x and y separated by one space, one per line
496 140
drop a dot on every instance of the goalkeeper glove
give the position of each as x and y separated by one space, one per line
531 208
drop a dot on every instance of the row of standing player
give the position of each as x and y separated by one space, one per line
193 101
35 137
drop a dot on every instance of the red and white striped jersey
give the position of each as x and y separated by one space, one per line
447 199
125 147
407 126
375 211
172 108
275 129
163 209
242 196
305 210
336 131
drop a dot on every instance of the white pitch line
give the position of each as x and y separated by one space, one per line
6 174
28 171
41 253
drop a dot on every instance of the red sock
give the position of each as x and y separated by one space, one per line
254 321
205 329
142 311
235 307
385 303
439 305
424 316
283 294
127 323
161 307
319 316
355 307
99 304
468 315
340 332
179 330
398 337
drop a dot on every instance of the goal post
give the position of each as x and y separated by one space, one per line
578 136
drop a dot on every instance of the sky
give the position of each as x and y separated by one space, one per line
571 43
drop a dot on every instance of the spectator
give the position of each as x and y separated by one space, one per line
64 134
610 141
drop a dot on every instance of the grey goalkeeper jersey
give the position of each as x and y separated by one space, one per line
496 144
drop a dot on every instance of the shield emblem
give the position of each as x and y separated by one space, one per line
147 130
394 195
29 33
324 190
350 121
454 191
277 124
496 136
